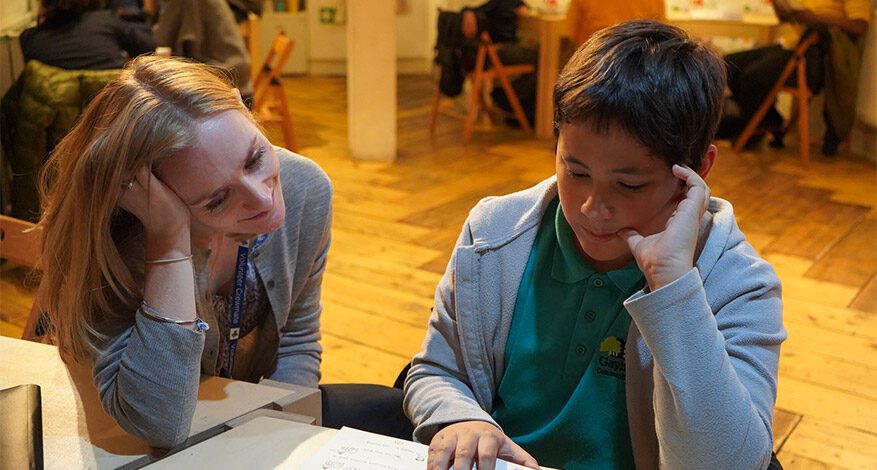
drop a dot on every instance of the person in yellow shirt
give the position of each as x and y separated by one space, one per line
752 74
585 17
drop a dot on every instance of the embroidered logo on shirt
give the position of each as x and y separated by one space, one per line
611 360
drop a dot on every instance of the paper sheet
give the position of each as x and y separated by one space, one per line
352 449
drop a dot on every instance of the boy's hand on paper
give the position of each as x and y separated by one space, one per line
667 255
468 442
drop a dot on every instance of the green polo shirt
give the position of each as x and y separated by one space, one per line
562 395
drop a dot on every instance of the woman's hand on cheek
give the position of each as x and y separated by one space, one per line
667 255
165 217
468 442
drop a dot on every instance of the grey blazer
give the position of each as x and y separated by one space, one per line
147 373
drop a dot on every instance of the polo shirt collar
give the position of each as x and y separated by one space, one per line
569 267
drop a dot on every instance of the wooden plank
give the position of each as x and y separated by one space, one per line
784 423
759 240
345 361
866 300
814 401
379 300
12 330
374 332
839 320
853 260
851 181
387 274
791 271
846 347
830 372
830 444
406 254
792 461
788 203
819 230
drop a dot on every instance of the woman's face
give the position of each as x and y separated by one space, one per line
230 179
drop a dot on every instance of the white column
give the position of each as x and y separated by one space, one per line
371 79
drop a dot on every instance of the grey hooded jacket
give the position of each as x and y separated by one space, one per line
701 357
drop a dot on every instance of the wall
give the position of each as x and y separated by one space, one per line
15 16
863 140
415 35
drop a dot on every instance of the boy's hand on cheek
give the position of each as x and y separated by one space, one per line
468 442
667 255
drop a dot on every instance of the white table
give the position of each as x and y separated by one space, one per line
263 440
77 433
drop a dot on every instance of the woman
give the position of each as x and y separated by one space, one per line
178 240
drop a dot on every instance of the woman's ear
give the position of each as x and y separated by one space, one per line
708 159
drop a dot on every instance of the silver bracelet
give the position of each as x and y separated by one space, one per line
168 260
152 314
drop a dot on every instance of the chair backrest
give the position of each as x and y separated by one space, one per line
810 39
270 72
487 51
19 242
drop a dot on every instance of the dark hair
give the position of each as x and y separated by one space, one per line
653 80
61 12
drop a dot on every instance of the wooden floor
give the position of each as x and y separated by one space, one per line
395 225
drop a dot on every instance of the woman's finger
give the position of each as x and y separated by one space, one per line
133 198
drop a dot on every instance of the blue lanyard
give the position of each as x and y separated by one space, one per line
238 296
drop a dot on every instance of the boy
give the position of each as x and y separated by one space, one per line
613 315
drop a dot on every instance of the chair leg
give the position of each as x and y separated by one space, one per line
472 111
803 114
433 115
285 118
765 106
477 79
516 105
510 93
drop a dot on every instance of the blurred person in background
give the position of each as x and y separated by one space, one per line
206 31
832 66
585 17
79 35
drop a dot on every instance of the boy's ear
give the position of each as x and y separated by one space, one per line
238 91
708 159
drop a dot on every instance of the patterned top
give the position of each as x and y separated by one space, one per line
253 327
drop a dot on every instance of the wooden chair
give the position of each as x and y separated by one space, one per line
20 244
269 99
480 76
798 64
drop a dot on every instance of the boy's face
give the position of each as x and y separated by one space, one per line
608 182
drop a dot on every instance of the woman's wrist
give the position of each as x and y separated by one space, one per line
172 246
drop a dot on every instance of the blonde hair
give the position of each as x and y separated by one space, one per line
148 114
